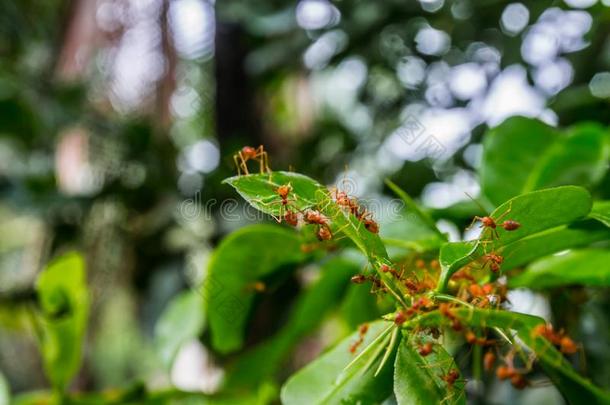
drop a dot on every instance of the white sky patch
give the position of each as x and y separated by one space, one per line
467 81
528 302
580 3
510 94
556 31
431 41
514 18
328 45
438 95
137 66
316 14
445 194
554 76
203 157
411 71
448 127
600 85
192 24
193 371
432 6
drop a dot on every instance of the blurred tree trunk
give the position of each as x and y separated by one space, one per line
167 84
235 114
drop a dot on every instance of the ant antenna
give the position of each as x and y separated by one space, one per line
476 202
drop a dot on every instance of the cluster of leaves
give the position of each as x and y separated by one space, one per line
546 188
537 186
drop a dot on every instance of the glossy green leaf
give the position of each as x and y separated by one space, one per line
522 155
417 379
241 260
327 381
260 190
413 208
578 234
601 212
64 309
5 392
574 387
181 321
318 300
537 212
590 267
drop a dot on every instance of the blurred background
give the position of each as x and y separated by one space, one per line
119 119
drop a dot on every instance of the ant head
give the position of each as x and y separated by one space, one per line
324 233
400 318
488 222
248 150
284 190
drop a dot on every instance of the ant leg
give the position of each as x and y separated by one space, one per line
510 207
243 164
237 165
474 220
266 157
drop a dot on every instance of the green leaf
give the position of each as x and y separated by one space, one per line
537 211
241 260
64 309
414 208
601 212
263 361
417 379
522 155
260 191
577 234
360 306
574 387
181 321
590 267
326 380
5 392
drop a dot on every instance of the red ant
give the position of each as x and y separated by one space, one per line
283 191
489 360
401 317
494 261
490 223
257 286
343 200
451 377
463 274
249 153
369 223
377 283
315 217
426 349
517 379
472 339
565 343
324 233
384 268
292 218
361 332
420 264
414 285
445 311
